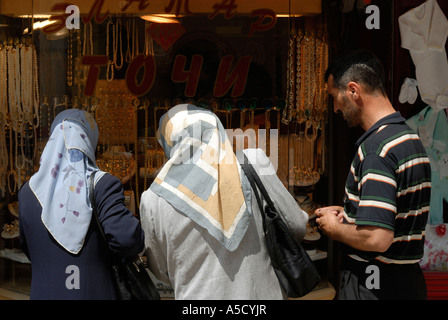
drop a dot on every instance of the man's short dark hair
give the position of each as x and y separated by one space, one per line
360 66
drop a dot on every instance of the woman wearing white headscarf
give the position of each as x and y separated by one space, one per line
203 228
67 254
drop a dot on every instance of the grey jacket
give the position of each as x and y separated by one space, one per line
197 266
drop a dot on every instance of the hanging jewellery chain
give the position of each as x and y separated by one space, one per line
287 112
88 39
4 159
118 40
29 83
70 59
299 90
145 105
3 83
128 56
149 43
135 47
14 80
36 94
110 62
30 97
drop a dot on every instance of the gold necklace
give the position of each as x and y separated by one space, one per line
70 59
135 49
35 80
14 87
4 161
146 145
287 113
3 83
128 57
110 62
299 90
119 44
149 43
11 172
135 108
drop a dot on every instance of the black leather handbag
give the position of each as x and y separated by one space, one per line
131 280
294 268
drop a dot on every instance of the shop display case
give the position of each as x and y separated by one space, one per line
15 268
127 62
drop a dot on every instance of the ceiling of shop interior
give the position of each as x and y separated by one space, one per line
293 7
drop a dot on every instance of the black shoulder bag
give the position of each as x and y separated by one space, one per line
294 268
131 280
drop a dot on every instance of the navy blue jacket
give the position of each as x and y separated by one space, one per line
58 274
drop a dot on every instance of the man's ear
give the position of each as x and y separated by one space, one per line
354 89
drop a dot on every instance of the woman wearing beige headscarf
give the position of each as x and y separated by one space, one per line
203 228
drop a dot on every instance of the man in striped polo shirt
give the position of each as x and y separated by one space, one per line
387 192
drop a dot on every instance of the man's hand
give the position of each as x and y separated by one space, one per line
337 210
366 238
328 218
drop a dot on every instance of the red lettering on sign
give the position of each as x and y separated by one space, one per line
191 77
149 74
238 77
143 4
94 62
179 4
96 9
262 15
229 8
60 18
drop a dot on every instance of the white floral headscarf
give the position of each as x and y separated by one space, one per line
62 182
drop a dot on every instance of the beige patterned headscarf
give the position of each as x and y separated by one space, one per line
202 178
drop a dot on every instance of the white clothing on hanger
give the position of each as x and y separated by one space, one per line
423 31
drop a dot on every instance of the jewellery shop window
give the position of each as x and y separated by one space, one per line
127 62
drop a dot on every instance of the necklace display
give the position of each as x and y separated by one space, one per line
113 110
4 159
70 59
19 112
154 156
117 48
306 108
132 49
80 71
80 43
301 154
149 43
87 47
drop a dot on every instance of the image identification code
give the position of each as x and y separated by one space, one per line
236 309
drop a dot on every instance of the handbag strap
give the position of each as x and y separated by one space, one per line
256 183
94 208
247 171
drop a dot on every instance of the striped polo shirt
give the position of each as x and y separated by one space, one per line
389 186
